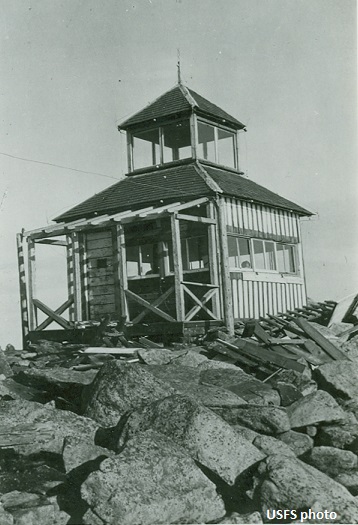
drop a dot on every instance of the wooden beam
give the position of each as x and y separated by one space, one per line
178 207
225 269
50 313
155 303
22 286
324 343
213 258
129 152
149 306
58 311
32 283
178 269
194 136
84 277
76 278
202 285
70 276
121 274
53 242
200 303
195 218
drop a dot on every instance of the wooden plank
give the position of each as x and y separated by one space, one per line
195 218
225 269
147 305
52 242
200 304
203 285
50 313
115 351
156 303
121 272
104 242
70 278
98 310
101 299
178 269
213 259
58 311
22 287
178 207
101 280
147 343
77 292
221 349
32 283
100 253
194 136
326 345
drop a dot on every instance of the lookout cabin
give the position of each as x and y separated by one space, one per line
183 242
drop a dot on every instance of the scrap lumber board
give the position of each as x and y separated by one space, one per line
222 349
147 343
117 351
318 338
256 352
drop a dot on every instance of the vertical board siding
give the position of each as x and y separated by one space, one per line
253 299
257 220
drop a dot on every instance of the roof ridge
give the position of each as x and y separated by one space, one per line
206 177
188 96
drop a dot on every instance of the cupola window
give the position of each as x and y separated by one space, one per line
217 145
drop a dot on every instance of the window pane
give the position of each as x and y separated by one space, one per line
195 253
270 255
206 142
177 141
149 259
233 252
146 148
132 255
226 148
259 254
244 253
291 259
280 251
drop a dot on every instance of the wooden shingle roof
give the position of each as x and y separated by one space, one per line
182 182
177 101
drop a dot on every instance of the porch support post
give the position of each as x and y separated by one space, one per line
84 276
121 274
23 292
225 269
178 268
32 282
70 276
77 295
213 260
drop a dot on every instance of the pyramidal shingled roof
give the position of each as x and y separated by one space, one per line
179 100
182 182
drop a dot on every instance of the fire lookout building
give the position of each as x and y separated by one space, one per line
184 241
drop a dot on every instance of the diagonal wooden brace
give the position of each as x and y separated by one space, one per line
155 303
200 303
146 304
52 314
58 311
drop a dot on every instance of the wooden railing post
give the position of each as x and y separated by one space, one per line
178 269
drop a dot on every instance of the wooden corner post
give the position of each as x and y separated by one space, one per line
178 269
22 284
225 268
31 259
121 274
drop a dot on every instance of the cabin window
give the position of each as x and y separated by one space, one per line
176 141
102 263
264 255
146 150
216 144
286 258
195 254
239 252
142 260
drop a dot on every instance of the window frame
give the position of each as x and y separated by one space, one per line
238 268
139 262
216 142
186 263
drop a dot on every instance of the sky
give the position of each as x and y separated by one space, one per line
71 70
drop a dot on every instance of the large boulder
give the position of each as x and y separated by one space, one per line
319 407
121 387
264 419
5 368
78 450
162 356
32 509
28 428
205 436
236 518
245 386
332 461
270 445
339 378
151 481
288 483
343 435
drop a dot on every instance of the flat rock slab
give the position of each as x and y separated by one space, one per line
343 435
319 407
151 481
30 428
245 386
339 378
163 356
298 442
288 483
264 419
270 446
205 436
119 388
332 461
78 450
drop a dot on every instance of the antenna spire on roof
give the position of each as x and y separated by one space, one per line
178 66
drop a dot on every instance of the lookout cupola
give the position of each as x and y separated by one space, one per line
181 126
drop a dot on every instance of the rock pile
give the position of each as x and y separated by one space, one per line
176 437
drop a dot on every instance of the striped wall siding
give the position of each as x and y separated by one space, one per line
256 220
252 299
262 295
